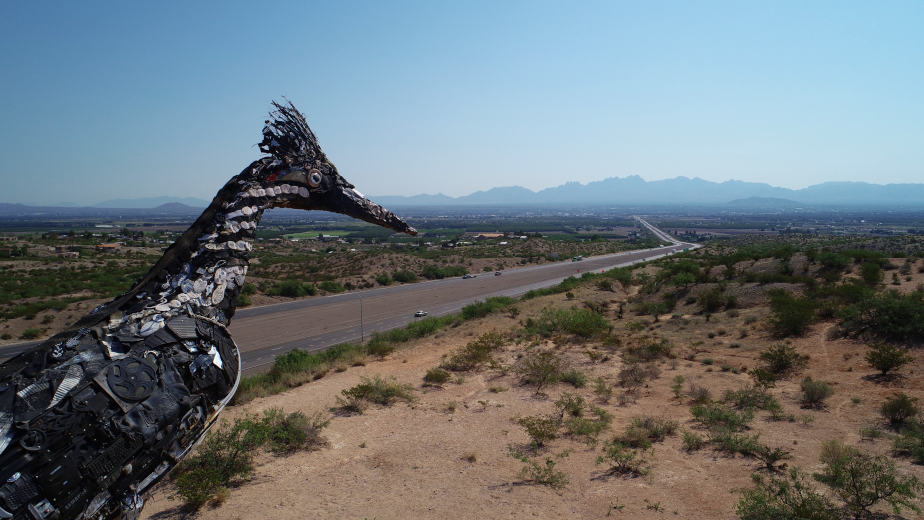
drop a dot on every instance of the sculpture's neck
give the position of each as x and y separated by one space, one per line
203 271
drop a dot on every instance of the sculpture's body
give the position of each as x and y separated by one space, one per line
91 418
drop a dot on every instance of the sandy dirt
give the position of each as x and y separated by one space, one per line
446 454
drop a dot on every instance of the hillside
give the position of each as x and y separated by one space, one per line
644 351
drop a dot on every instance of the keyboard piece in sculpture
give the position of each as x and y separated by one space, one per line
94 416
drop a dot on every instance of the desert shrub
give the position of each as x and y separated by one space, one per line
376 390
899 408
224 458
750 398
570 404
677 386
292 289
788 497
890 316
589 425
286 433
603 390
574 377
624 460
605 285
483 308
633 376
249 289
226 455
475 353
692 441
910 441
404 276
436 376
30 333
732 442
717 415
791 315
331 286
871 273
580 322
699 394
243 300
650 351
770 456
862 480
712 300
886 358
432 272
645 430
782 360
814 392
544 473
540 428
384 279
540 368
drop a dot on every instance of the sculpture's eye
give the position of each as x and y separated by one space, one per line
314 178
294 175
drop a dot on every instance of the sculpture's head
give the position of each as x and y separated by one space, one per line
314 183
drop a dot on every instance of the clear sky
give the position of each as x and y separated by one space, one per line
132 99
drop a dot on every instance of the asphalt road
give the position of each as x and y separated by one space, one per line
262 333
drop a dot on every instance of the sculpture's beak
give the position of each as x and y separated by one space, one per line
347 200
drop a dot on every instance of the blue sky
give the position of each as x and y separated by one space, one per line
131 99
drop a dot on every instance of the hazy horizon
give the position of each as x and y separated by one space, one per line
111 101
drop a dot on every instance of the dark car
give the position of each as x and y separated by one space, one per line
497 273
467 276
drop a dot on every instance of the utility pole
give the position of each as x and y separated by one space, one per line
362 328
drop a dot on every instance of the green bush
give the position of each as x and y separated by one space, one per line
624 460
886 358
791 315
544 474
692 441
782 360
645 430
890 316
384 279
717 415
785 498
243 300
292 289
633 375
899 408
731 442
432 272
226 455
574 377
481 309
30 333
589 425
540 368
650 351
540 428
814 393
331 286
871 273
862 480
751 398
476 353
404 276
436 376
376 390
580 322
910 441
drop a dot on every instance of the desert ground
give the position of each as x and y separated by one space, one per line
446 454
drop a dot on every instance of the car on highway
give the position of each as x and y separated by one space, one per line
420 314
497 273
467 276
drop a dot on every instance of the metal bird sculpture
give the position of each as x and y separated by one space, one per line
94 416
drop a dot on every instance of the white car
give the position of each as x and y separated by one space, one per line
420 314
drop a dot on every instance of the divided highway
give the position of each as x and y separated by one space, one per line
262 333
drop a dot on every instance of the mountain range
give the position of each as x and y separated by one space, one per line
614 191
634 190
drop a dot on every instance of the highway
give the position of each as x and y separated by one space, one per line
313 324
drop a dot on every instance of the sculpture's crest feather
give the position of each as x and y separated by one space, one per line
287 136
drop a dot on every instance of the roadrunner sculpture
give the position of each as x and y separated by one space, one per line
94 416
